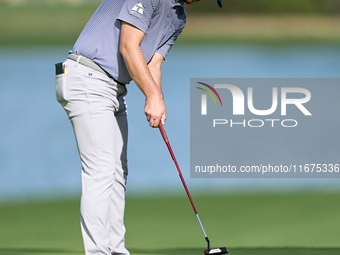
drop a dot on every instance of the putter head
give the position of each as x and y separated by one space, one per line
219 2
222 250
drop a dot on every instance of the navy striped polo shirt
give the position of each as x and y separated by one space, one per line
161 20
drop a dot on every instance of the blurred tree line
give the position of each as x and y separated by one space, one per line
325 7
268 7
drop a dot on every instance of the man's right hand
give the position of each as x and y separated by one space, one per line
155 110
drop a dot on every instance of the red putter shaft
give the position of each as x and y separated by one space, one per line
166 140
222 250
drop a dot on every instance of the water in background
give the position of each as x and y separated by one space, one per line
38 154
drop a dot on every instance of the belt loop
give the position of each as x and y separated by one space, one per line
78 59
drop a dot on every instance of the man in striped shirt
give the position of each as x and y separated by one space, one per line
124 40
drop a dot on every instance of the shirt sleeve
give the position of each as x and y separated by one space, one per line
138 13
165 48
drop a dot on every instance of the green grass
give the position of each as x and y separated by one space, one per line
243 251
274 224
42 24
60 24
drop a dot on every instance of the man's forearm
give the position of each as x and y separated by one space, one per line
130 39
155 68
140 72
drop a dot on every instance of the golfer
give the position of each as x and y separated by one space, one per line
124 40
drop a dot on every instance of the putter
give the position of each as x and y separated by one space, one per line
222 250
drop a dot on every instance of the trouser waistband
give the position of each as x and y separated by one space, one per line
91 64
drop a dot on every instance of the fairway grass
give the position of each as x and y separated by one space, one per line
243 251
294 224
185 251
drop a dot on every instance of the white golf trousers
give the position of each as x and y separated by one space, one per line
96 107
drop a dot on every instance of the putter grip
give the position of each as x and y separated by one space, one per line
161 128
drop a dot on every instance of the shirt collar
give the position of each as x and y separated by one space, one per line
178 3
